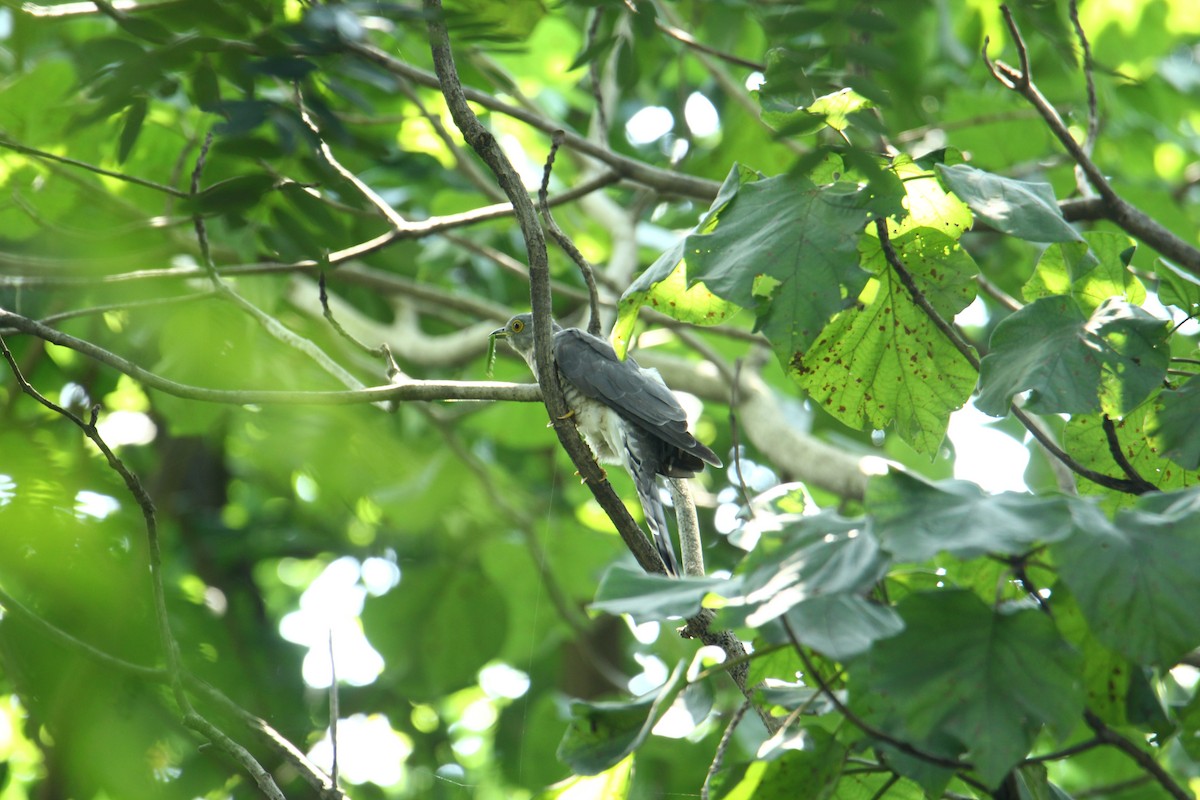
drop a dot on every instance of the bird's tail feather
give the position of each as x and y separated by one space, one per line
644 471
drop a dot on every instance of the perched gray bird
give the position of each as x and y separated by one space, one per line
627 415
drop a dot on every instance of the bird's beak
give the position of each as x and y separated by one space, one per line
500 332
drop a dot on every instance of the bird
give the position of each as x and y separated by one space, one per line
626 414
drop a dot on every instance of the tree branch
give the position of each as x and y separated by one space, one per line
1130 219
409 390
488 149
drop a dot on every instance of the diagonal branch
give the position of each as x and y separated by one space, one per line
482 141
1132 220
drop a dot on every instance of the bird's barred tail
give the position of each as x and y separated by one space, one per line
645 481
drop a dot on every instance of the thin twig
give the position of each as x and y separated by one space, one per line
1118 454
665 181
735 436
887 786
722 747
108 173
1093 119
465 163
1051 447
682 36
198 224
1066 752
282 746
593 32
382 351
564 241
960 344
334 713
269 323
393 217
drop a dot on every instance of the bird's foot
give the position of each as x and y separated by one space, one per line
583 480
565 416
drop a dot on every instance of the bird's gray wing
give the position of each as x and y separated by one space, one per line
592 366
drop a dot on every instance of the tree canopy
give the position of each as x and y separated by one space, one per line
923 274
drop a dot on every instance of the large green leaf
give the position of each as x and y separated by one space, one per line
645 597
1177 287
988 679
800 236
915 520
1019 208
1134 576
1072 364
409 625
599 735
887 362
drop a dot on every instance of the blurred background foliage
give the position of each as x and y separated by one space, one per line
448 547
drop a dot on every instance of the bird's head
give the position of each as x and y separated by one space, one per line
519 333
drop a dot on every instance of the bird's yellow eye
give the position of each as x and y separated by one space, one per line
517 326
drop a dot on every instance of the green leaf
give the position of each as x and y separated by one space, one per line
980 681
1026 210
927 204
833 110
810 767
231 196
1106 673
664 284
612 782
802 235
600 735
819 555
915 520
1070 364
1134 576
1091 271
887 362
1177 287
1138 436
206 87
135 115
1176 429
143 28
408 627
841 626
645 597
